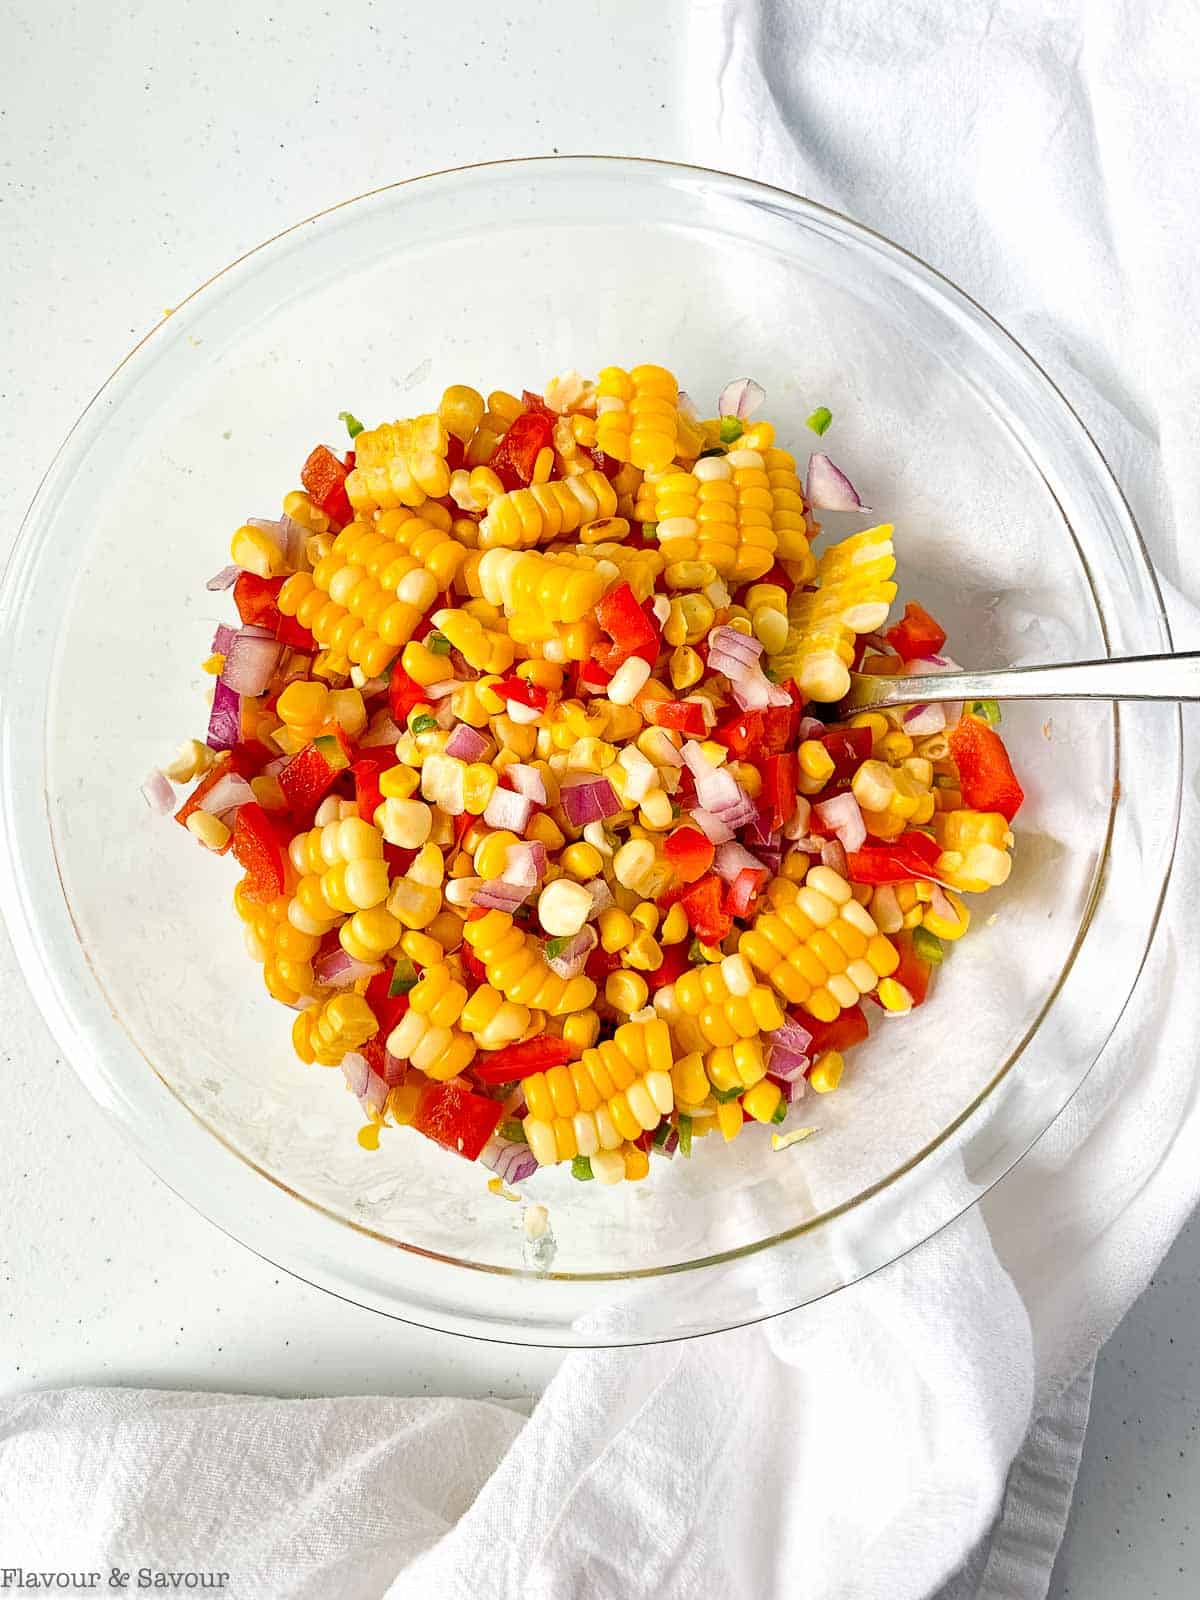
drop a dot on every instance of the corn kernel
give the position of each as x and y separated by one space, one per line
762 1101
210 830
626 991
826 1072
399 782
404 823
582 1029
616 928
643 952
582 860
675 925
894 996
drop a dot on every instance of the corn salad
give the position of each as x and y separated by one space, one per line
528 746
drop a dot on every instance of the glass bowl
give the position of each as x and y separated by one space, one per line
1009 527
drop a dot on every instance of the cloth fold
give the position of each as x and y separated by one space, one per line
920 1432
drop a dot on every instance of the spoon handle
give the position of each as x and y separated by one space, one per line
1175 677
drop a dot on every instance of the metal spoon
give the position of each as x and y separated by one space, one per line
1125 678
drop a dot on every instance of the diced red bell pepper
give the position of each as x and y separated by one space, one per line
456 457
985 773
849 1027
516 455
324 476
675 963
741 732
916 634
249 758
516 1061
367 792
627 625
913 855
220 770
779 725
472 965
601 963
403 694
523 692
398 859
589 677
452 1116
744 891
388 1008
683 716
257 600
707 917
913 972
779 577
256 847
295 635
689 852
312 772
780 780
848 748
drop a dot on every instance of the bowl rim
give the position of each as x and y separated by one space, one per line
20 915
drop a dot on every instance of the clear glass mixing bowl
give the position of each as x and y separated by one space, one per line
1009 527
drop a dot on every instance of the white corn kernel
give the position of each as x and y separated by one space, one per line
406 823
628 681
563 908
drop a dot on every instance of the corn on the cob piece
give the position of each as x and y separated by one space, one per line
853 596
283 949
426 1034
613 1093
790 518
637 415
717 1005
515 966
520 518
638 568
975 849
755 533
326 1032
553 587
364 600
399 464
816 945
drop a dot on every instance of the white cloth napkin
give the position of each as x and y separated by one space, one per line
1043 153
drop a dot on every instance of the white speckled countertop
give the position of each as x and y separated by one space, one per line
141 148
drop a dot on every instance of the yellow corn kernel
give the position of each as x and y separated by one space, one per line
491 855
690 1079
626 991
827 1070
941 926
643 952
582 1030
894 996
816 764
674 926
637 1163
646 915
762 1101
303 509
479 785
581 860
729 1119
399 782
617 929
544 830
255 551
210 830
